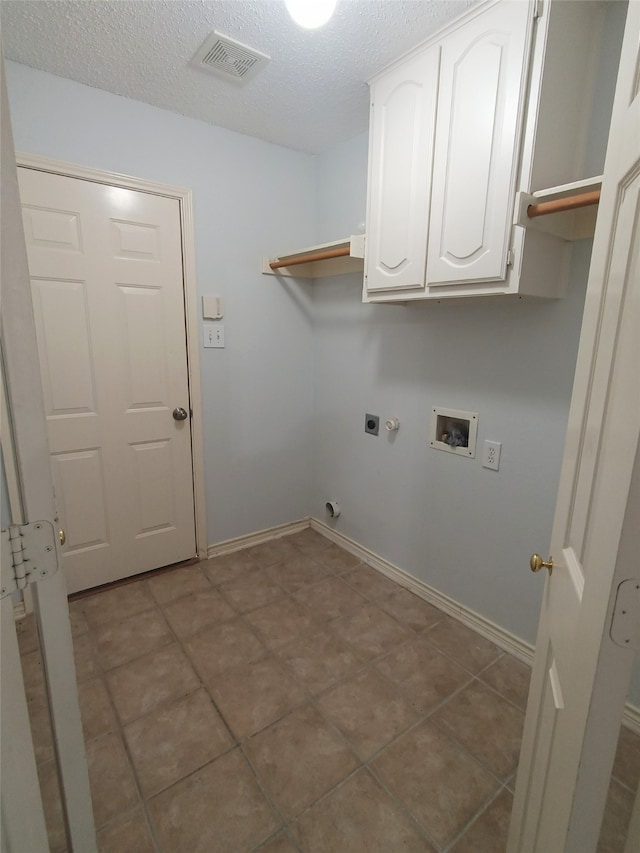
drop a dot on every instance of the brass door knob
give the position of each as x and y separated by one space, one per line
62 536
536 563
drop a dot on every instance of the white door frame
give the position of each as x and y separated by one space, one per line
184 198
21 373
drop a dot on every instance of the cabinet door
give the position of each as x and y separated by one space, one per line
400 158
482 84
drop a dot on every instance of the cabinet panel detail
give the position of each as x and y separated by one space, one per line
482 78
403 126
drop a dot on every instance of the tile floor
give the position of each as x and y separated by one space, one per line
287 697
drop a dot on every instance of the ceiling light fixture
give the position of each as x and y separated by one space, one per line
311 14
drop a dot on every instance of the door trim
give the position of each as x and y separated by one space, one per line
184 198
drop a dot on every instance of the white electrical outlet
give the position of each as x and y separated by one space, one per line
214 336
491 455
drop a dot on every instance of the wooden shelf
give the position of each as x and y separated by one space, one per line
337 258
568 211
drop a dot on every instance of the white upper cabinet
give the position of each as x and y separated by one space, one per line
482 76
400 158
511 87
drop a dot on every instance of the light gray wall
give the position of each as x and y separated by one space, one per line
250 199
464 530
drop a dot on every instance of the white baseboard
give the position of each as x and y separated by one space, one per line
503 639
240 542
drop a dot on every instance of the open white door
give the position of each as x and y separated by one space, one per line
584 653
22 831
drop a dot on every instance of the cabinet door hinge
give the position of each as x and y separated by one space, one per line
537 9
29 554
510 257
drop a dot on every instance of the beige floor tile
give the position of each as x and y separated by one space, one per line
320 659
251 697
358 816
369 711
128 834
309 541
176 583
198 611
79 624
85 653
222 647
220 807
298 759
118 603
113 790
274 551
27 633
297 571
462 644
228 566
96 710
489 832
426 677
371 583
33 675
280 843
486 724
626 767
439 782
175 740
127 639
370 631
281 622
617 814
411 610
337 560
510 677
252 589
52 806
330 598
142 685
40 723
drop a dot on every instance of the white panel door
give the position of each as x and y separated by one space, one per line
106 279
482 80
401 154
583 659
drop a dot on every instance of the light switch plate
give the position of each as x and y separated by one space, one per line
213 336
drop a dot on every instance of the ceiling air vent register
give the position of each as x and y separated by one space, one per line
228 58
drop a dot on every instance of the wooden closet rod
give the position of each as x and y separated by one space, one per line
312 256
571 202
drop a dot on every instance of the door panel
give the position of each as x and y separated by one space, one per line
106 271
479 114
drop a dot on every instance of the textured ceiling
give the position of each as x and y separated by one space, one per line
311 95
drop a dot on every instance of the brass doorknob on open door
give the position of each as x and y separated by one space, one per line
62 536
180 414
536 563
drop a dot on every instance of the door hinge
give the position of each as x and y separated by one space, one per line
537 9
625 622
510 257
29 554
